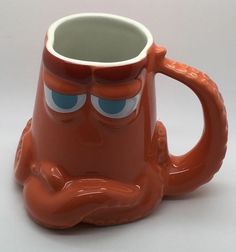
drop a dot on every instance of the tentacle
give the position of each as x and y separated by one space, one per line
159 149
196 167
151 193
23 156
52 176
77 199
91 200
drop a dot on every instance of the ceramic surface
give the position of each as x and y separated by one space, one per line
94 151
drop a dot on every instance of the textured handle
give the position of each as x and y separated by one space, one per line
198 166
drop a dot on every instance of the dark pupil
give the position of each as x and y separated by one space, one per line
64 101
111 106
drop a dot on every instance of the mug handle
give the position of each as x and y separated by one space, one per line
196 167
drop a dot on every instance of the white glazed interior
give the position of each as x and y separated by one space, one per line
98 39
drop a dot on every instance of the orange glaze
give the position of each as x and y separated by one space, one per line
84 167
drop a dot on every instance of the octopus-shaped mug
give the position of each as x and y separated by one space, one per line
94 151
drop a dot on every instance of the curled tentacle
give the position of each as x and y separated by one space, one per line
77 199
92 200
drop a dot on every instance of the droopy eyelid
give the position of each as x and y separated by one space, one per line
125 106
63 103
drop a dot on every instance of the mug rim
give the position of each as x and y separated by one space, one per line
142 54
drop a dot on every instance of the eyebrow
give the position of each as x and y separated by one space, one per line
118 90
61 85
111 90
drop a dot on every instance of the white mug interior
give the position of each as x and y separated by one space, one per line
99 39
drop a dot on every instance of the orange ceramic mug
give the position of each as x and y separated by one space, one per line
93 151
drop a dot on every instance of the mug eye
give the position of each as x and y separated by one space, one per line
115 108
63 103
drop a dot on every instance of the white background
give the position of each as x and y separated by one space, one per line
197 32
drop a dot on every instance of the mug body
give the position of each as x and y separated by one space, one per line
95 109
